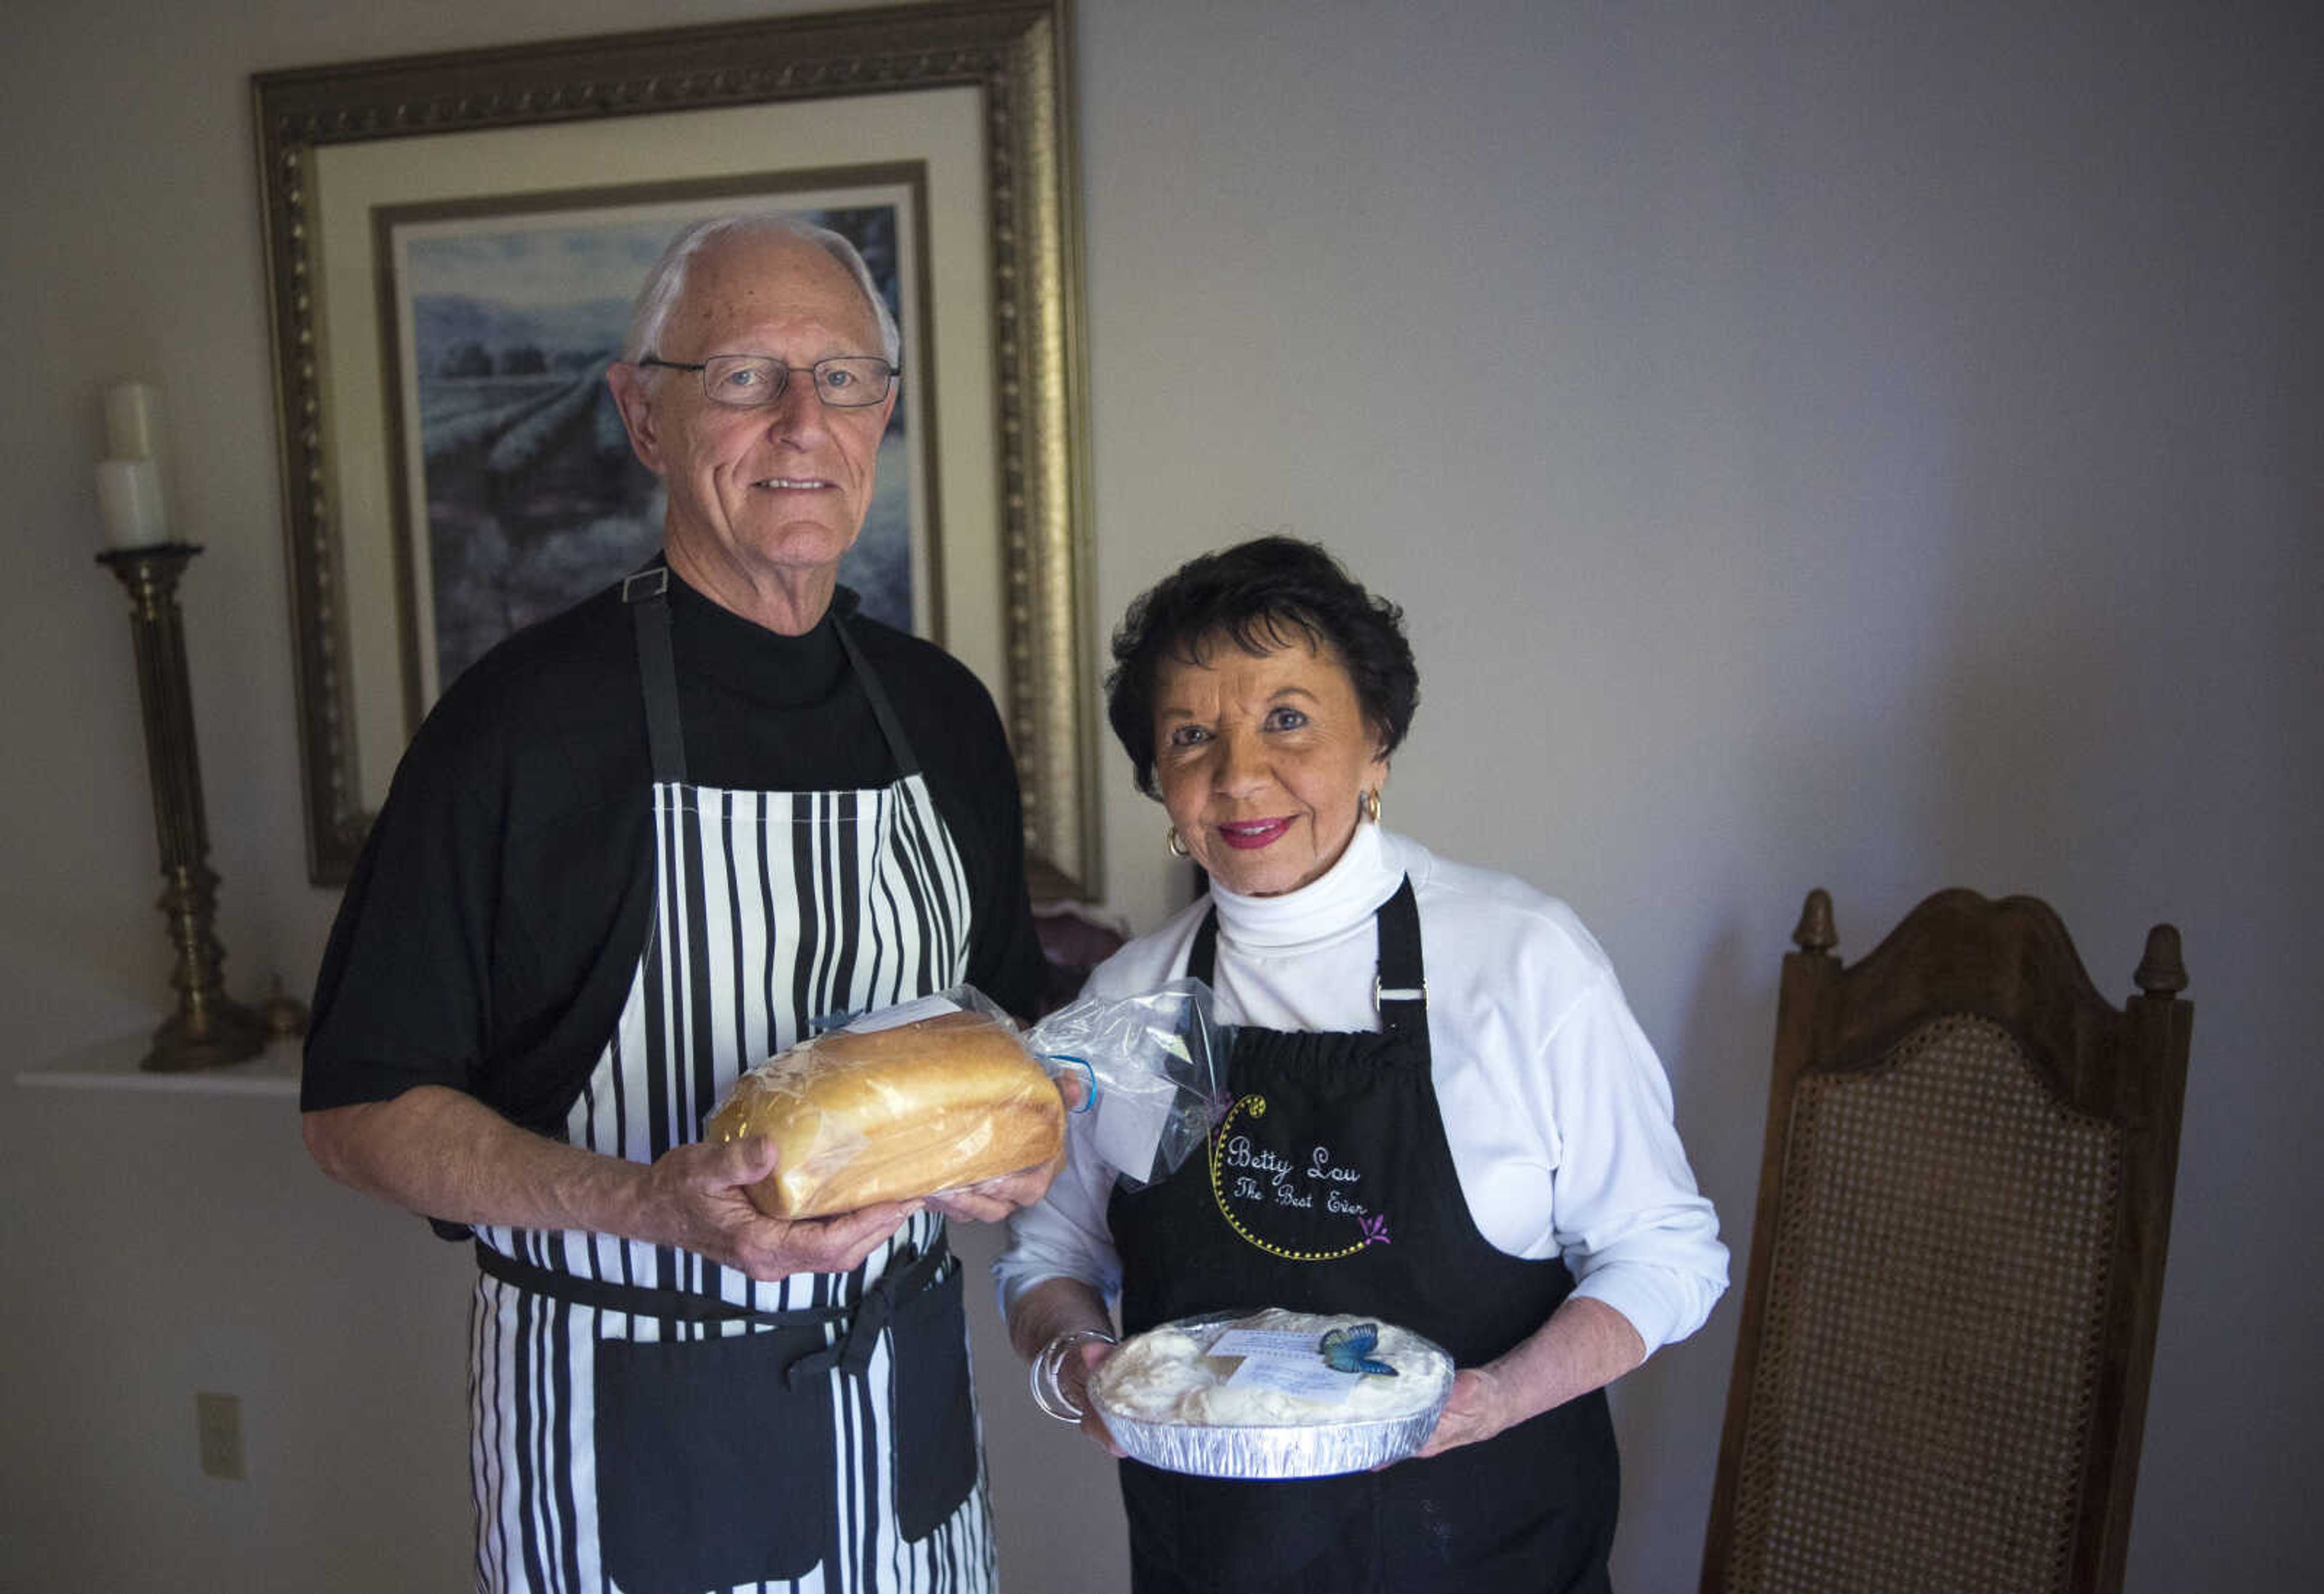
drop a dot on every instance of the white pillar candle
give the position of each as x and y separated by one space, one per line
129 492
132 421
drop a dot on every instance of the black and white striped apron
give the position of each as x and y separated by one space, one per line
647 1422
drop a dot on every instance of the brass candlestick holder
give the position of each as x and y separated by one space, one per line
209 1028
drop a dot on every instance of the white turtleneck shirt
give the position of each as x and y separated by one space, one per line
1556 1106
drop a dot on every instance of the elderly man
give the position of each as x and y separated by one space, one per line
635 850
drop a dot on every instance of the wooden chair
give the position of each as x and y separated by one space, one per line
1948 1321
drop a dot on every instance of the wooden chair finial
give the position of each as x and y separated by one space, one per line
1816 933
2161 972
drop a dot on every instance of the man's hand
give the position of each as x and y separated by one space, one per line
991 1200
697 1192
446 1155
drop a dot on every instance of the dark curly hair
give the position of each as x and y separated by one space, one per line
1260 595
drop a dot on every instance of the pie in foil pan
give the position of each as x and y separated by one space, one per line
1169 1402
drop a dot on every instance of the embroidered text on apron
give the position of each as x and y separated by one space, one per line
1329 1188
645 1421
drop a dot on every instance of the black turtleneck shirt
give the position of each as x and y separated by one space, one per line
501 900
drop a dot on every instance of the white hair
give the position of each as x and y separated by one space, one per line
666 284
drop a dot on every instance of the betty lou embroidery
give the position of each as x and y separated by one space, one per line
1253 1183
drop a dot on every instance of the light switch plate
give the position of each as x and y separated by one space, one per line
217 1428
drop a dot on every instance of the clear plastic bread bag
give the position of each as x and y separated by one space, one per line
930 1094
1157 1063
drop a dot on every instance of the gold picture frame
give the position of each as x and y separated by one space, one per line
978 91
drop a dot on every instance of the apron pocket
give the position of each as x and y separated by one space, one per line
710 1473
934 1411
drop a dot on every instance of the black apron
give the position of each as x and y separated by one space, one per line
646 1422
1329 1188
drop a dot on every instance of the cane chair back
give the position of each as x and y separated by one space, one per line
1956 1268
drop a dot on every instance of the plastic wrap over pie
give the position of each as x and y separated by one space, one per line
1272 1394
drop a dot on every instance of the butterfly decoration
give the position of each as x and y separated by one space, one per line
1349 1349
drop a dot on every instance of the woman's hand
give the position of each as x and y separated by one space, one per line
1477 1409
1081 1364
1585 1345
1046 1313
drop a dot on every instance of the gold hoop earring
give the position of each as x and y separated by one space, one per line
1178 847
1369 806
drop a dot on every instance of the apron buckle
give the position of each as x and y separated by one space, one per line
1381 994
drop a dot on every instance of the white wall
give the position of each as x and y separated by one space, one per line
1897 469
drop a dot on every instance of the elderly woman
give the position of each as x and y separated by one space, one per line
1445 1045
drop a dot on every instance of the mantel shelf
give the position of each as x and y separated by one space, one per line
113 1065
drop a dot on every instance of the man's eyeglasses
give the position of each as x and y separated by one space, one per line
752 381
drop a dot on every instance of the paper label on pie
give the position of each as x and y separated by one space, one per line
1268 1342
1313 1380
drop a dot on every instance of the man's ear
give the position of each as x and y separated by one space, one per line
632 397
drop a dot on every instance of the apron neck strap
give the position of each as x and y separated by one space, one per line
1399 983
647 595
1400 988
899 746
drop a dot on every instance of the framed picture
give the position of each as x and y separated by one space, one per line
452 243
513 487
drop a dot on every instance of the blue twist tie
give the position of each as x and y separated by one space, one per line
1089 1100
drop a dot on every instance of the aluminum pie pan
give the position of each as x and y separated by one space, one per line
1261 1451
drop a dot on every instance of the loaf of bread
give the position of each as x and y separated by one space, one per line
894 1114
